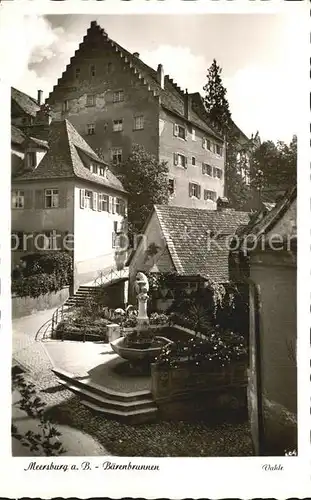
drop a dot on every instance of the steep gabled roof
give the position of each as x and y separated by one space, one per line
26 103
172 97
258 228
63 159
198 240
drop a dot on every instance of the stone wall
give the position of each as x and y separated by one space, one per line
275 275
191 391
24 306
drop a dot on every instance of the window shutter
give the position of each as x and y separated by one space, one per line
82 198
95 201
39 198
199 191
28 198
186 161
125 209
109 203
113 205
190 189
186 133
176 129
203 142
100 202
62 198
175 159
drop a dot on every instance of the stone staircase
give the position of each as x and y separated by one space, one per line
82 294
132 408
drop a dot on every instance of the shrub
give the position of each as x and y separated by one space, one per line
33 286
158 319
42 273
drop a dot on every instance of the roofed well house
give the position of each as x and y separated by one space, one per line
64 197
193 244
114 100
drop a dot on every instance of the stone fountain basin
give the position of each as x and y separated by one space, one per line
133 354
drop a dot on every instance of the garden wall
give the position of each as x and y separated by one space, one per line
24 306
190 390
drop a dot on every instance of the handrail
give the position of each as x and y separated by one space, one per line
109 275
46 324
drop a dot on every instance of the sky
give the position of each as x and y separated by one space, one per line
257 54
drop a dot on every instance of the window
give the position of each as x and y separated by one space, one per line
206 144
194 190
94 168
118 96
116 155
88 199
171 186
92 70
117 125
90 100
49 240
209 195
218 149
90 128
180 160
102 171
138 122
77 72
65 106
18 199
180 131
31 159
193 134
207 169
193 160
103 202
51 198
217 172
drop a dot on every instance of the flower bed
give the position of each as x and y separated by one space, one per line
77 328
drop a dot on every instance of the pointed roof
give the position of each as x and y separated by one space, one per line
260 228
197 239
26 103
63 159
172 97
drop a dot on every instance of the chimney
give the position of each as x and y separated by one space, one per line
160 75
136 54
222 203
39 99
188 103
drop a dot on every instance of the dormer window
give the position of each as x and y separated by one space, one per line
77 73
31 159
93 70
93 168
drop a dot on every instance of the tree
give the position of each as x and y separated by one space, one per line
215 99
274 165
146 181
236 164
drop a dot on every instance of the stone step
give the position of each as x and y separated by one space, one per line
130 417
110 403
100 390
